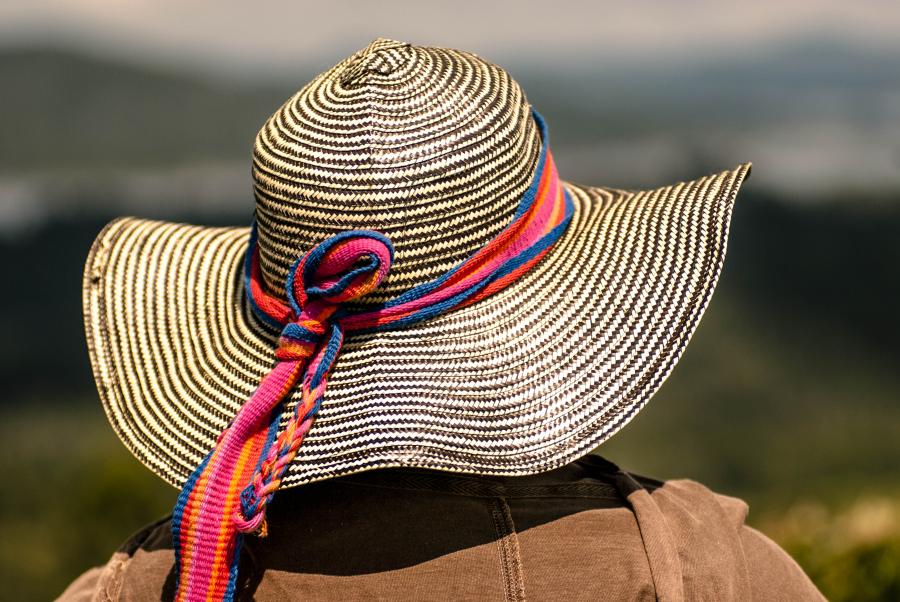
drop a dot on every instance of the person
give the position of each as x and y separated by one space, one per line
389 388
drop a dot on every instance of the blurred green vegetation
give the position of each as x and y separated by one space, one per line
853 554
78 494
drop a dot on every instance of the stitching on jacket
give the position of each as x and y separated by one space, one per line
480 488
508 547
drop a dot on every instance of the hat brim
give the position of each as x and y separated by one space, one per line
524 381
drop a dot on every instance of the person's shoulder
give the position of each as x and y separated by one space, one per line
693 499
713 539
150 547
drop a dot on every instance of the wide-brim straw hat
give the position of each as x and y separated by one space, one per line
433 147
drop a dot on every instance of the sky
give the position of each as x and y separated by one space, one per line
274 35
833 144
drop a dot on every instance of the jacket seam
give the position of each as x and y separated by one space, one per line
508 550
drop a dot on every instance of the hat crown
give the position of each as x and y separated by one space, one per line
434 147
381 57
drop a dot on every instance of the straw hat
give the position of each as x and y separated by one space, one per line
435 148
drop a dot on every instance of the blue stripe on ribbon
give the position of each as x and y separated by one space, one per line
433 310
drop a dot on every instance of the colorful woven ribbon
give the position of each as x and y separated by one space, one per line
227 494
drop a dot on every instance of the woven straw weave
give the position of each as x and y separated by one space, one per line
435 148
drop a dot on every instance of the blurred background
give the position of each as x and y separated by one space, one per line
787 396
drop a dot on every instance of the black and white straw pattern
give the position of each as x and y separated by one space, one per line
523 381
432 146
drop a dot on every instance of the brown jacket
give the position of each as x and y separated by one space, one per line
586 531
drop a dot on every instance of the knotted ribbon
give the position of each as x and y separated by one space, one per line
227 494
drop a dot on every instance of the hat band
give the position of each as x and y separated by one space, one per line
227 494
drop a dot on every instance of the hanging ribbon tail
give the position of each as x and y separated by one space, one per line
230 491
205 536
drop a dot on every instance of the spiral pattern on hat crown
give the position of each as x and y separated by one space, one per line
432 146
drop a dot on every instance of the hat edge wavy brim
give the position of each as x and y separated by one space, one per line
137 357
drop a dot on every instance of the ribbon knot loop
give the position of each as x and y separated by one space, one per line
344 267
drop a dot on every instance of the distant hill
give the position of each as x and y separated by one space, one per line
780 84
814 116
62 109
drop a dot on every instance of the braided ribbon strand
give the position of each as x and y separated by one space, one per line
228 493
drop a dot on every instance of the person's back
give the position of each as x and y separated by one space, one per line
586 531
